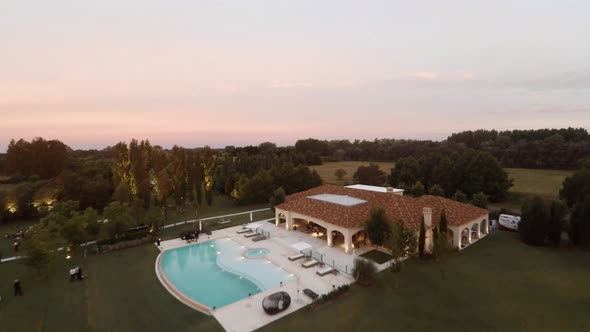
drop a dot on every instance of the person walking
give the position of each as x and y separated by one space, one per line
18 291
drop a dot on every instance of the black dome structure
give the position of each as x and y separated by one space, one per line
276 303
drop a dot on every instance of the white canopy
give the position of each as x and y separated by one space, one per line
253 226
300 246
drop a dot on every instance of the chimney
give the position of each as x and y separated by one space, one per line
427 212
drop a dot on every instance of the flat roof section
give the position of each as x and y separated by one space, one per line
343 200
374 188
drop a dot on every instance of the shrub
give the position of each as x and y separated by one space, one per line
364 271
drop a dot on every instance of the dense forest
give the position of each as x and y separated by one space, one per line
542 148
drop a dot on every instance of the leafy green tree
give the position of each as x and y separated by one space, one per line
118 219
340 173
364 272
377 227
580 223
406 170
123 194
257 189
558 212
421 239
74 230
417 189
441 245
443 226
154 217
66 208
278 197
436 190
92 224
480 200
484 173
534 222
403 240
460 196
575 187
369 175
39 248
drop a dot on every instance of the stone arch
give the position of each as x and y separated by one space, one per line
359 238
475 231
338 238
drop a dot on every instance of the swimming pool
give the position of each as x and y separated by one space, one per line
216 274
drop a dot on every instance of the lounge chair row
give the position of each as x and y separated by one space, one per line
296 257
259 238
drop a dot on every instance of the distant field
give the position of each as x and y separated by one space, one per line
326 170
542 182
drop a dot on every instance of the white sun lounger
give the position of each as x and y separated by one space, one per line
251 234
325 271
244 230
310 263
296 257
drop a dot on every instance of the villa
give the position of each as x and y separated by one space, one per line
338 214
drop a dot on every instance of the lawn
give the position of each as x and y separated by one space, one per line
121 293
6 245
377 256
498 284
327 170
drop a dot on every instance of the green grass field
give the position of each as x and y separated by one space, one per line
542 182
327 170
121 293
498 284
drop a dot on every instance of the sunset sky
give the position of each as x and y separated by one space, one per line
94 72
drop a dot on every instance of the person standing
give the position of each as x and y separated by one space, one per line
15 245
18 291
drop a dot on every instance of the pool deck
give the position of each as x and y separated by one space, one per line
247 314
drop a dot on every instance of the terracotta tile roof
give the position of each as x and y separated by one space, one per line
398 208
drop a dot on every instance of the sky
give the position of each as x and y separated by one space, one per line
188 72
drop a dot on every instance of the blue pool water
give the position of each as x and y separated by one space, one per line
215 273
256 253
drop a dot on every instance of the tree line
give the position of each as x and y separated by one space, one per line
541 148
142 176
459 175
